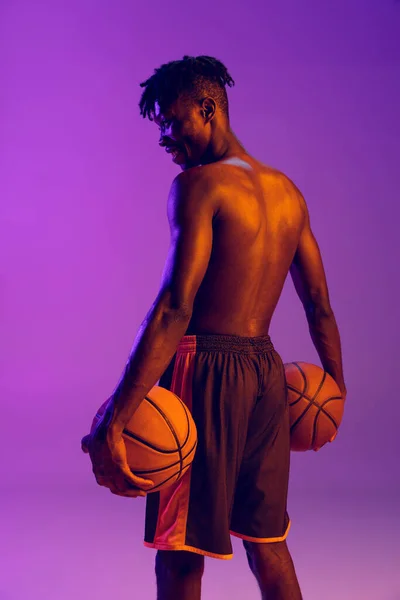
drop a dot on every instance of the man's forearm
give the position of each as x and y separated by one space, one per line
325 336
154 347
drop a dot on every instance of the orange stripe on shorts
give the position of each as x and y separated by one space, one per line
174 500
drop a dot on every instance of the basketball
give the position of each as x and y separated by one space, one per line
315 406
160 438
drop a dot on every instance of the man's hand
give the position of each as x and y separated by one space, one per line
343 394
107 452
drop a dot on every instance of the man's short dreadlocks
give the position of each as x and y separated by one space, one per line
191 77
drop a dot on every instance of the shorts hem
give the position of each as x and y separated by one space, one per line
158 546
248 538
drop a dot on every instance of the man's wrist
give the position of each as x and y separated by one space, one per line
116 425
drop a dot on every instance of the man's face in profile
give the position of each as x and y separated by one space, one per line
182 132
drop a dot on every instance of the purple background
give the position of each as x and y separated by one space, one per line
83 240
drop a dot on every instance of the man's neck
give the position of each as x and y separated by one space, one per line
226 147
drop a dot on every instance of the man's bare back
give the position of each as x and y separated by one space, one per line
238 228
256 229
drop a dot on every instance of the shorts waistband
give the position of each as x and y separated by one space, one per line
225 343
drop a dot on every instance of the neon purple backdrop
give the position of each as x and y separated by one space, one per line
83 240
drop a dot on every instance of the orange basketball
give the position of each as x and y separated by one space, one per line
160 438
315 403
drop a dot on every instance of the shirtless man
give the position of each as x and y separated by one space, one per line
238 227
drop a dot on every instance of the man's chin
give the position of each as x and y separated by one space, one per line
179 159
183 164
187 164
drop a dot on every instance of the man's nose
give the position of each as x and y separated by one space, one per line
163 141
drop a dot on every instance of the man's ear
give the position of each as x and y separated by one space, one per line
208 109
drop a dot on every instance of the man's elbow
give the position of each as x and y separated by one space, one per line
175 316
175 311
174 305
318 308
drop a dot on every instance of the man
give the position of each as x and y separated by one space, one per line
238 227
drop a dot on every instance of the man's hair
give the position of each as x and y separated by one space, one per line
192 78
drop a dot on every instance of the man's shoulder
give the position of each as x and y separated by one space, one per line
277 176
192 189
213 177
196 182
282 181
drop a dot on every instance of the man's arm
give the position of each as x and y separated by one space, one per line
309 279
190 215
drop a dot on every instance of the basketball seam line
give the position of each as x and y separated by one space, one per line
136 437
171 428
312 403
302 394
315 420
320 407
168 466
187 418
168 478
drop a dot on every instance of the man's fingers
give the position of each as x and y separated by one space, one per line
128 493
138 481
101 480
119 485
112 486
132 479
111 469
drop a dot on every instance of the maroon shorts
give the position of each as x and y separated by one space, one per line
235 389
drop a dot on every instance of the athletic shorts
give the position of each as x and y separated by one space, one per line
235 388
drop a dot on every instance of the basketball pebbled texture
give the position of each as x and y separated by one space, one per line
160 438
315 406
